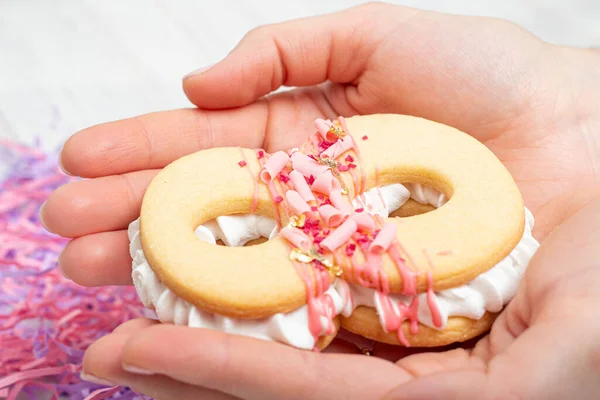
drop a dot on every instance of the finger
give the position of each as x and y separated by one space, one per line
97 260
133 326
255 369
154 140
97 205
304 52
392 59
102 364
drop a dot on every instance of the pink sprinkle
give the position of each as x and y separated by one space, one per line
324 144
326 232
318 239
260 154
350 249
351 165
365 137
359 210
314 208
284 178
242 163
278 199
343 168
312 222
326 202
310 180
313 157
349 158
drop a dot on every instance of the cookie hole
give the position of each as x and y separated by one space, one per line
412 208
237 230
252 242
423 199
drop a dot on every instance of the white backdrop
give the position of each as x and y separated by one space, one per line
65 65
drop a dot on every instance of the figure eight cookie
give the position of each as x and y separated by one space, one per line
399 229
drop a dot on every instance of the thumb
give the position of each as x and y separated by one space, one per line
303 52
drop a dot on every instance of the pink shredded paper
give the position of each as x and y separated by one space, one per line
46 321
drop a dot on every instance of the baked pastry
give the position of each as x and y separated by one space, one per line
330 249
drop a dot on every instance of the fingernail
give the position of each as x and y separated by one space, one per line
61 165
199 71
62 271
41 215
95 379
136 370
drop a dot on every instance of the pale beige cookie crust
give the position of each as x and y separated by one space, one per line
365 322
481 223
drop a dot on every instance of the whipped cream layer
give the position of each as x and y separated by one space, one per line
488 292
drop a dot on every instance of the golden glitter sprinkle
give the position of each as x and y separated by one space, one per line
312 255
297 221
337 131
334 165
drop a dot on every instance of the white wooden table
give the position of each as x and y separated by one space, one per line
65 65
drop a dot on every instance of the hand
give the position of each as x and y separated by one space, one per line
532 103
545 345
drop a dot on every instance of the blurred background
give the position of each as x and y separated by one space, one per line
66 65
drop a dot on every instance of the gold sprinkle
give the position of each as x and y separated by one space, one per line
313 255
334 165
298 255
297 221
337 131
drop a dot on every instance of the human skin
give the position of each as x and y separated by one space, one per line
535 105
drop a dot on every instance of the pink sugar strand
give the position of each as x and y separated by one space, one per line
19 376
102 393
45 323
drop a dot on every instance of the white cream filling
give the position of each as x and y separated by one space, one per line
490 291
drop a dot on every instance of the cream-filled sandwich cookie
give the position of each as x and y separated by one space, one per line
333 247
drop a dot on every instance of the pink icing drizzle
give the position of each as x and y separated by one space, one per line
393 321
436 317
368 274
319 304
255 194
